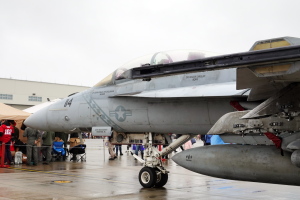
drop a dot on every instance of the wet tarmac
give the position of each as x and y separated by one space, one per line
99 178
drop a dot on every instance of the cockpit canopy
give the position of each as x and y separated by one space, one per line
163 57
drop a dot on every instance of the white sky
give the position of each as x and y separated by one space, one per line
80 42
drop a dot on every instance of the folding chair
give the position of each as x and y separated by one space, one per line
77 153
58 151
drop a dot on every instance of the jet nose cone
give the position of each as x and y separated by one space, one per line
179 158
38 120
188 158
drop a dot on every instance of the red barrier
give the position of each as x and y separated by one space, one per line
2 165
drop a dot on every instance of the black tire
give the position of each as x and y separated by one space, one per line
147 177
162 179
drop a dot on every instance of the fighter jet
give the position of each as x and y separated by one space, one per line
250 99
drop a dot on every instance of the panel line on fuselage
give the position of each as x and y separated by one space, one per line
105 118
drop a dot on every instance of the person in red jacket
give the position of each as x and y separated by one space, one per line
6 131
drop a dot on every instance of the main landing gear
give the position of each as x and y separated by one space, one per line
153 174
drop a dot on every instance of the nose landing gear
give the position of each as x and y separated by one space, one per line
153 174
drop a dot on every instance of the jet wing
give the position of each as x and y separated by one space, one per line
209 90
269 66
266 80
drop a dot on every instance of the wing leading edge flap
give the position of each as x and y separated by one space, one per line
267 80
209 90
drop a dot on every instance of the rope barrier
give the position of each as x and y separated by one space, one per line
2 150
64 147
25 145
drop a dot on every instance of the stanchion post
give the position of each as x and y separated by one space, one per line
103 150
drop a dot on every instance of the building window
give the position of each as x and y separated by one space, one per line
6 96
34 98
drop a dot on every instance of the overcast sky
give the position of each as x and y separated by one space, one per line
81 42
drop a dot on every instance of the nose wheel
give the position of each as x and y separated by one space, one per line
152 177
161 180
147 177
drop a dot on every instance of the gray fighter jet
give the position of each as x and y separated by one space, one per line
191 93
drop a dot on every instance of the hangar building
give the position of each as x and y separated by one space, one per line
22 94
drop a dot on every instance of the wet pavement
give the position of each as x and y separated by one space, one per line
99 178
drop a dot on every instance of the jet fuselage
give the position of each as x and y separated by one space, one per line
188 103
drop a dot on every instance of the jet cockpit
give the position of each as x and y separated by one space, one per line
164 57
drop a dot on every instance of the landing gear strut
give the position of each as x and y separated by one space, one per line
153 174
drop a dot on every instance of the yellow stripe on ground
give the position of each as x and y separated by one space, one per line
70 175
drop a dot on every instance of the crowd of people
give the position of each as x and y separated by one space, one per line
136 148
39 145
36 147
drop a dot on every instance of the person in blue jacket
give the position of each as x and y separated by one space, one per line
216 139
206 139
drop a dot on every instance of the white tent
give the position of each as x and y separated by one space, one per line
8 112
33 109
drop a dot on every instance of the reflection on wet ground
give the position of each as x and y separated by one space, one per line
99 178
